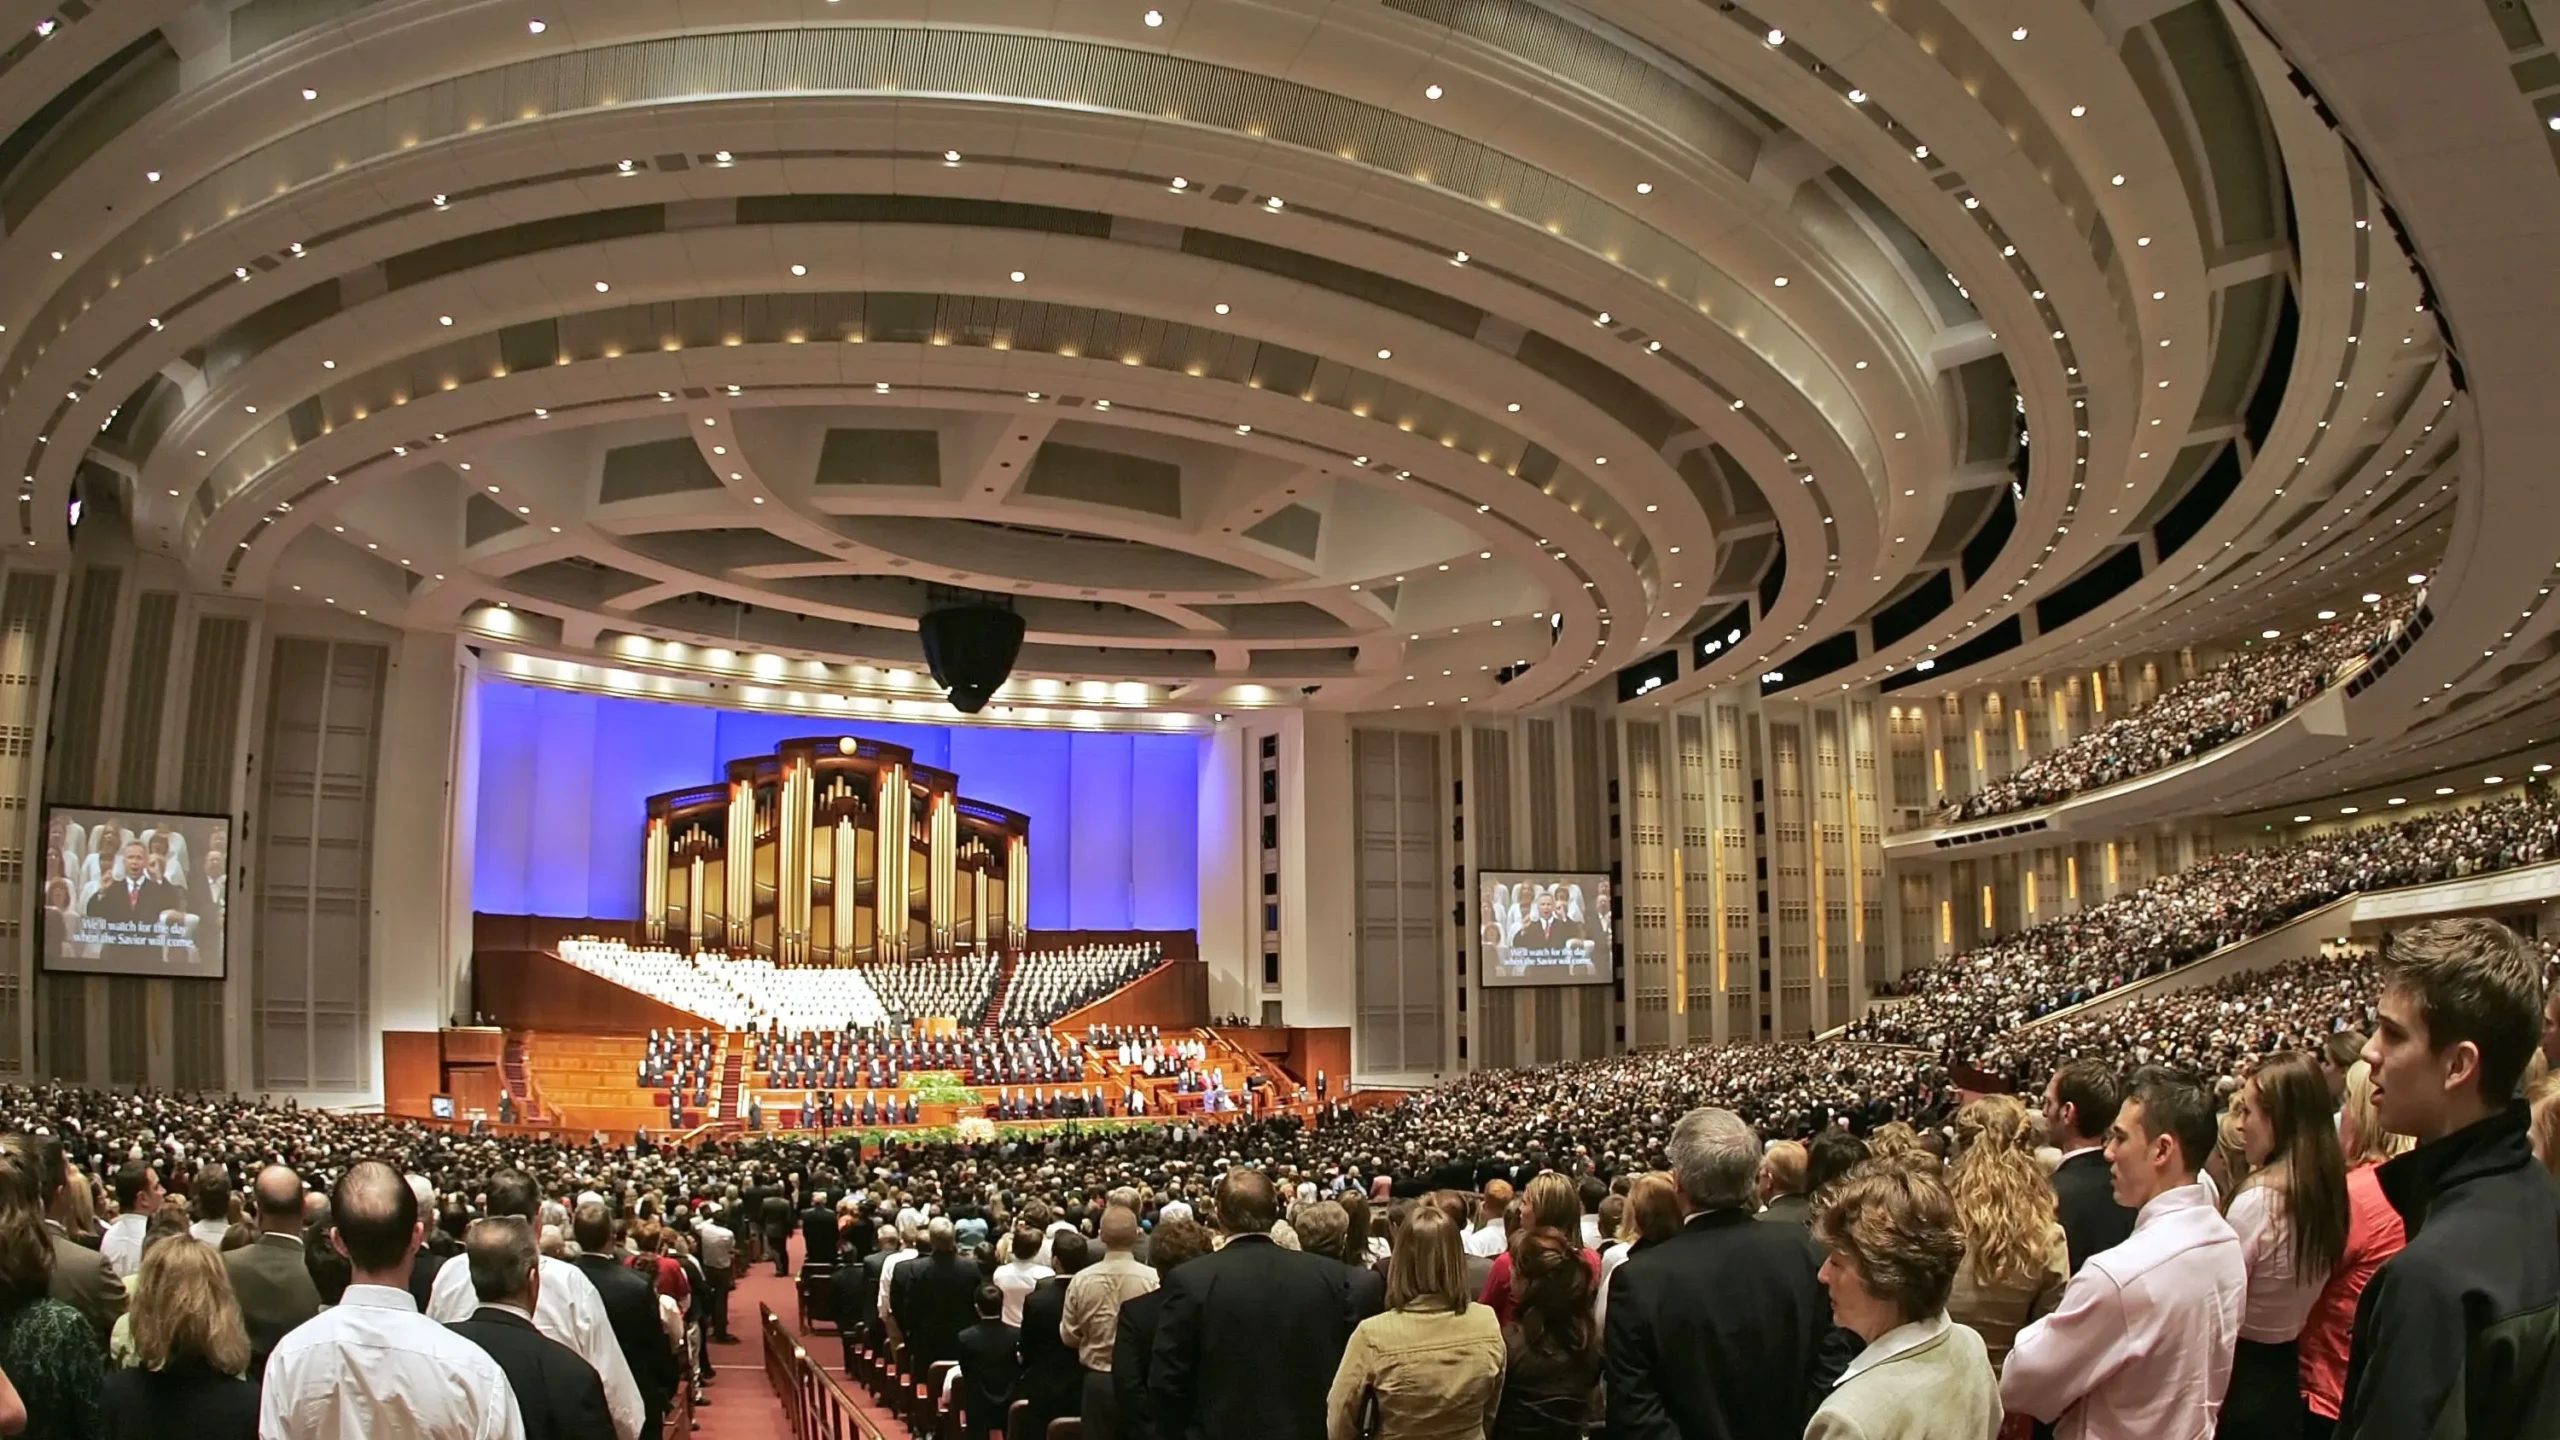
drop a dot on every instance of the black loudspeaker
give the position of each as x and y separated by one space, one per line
970 649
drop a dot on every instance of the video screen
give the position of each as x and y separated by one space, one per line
1541 928
130 892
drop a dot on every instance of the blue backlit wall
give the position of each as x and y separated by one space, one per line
564 778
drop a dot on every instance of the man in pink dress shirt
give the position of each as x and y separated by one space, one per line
2140 1348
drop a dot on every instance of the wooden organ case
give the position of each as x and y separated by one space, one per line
835 851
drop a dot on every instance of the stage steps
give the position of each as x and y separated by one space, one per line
733 1064
997 993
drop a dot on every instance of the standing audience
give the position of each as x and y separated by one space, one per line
50 1351
2080 1102
558 1393
1251 1336
1551 1346
2374 1235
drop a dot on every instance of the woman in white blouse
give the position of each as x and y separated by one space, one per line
2291 1215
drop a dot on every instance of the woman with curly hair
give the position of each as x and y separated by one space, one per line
2016 1258
47 1349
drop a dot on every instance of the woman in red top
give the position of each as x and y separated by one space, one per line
1550 1203
2374 1235
648 1238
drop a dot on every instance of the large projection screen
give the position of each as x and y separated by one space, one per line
1544 927
135 892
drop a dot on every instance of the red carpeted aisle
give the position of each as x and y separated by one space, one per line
743 1405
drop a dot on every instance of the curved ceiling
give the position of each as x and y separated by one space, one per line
1409 354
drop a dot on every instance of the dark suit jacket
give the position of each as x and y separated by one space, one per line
988 1363
857 1290
934 1298
1721 1332
817 1236
561 1395
275 1290
2085 1194
1051 1378
1369 1292
1790 1209
631 1304
1133 1346
1248 1343
82 1281
422 1276
189 1398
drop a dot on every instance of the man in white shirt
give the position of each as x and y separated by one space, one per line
1489 1239
372 1367
908 1237
717 1249
566 1307
211 1195
1015 1277
138 1197
2141 1346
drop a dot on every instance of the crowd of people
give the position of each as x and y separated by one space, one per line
1956 1006
879 1056
758 995
2250 691
1534 1254
1047 984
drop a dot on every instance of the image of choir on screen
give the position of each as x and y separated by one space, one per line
141 889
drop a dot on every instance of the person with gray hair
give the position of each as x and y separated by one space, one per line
1724 1329
559 1394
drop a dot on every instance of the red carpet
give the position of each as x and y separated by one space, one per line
743 1405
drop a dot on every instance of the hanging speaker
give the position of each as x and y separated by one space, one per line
970 650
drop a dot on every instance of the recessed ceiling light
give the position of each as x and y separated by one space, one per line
626 166
2417 579
1273 202
2372 598
1386 354
1017 277
602 287
535 27
950 157
1600 460
1244 429
151 175
444 319
437 200
1777 36
1181 184
1222 307
1857 97
1430 92
1515 407
2444 789
2116 180
798 270
1780 282
1154 18
1644 187
883 388
2077 111
2018 34
721 156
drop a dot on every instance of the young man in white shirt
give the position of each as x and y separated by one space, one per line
138 1197
1020 1271
372 1367
2141 1346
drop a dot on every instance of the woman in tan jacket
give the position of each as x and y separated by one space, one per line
2016 1259
1893 1251
1431 1363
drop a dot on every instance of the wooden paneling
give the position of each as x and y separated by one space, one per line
481 1045
412 1070
531 990
544 932
1174 995
1327 1049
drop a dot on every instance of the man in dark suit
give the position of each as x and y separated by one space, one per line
631 1304
1052 1378
1174 1243
775 1220
932 1296
559 1394
133 900
269 1274
1250 1337
2080 1102
988 1364
80 1277
818 1231
1723 1331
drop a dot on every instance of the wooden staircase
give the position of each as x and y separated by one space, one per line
733 1064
